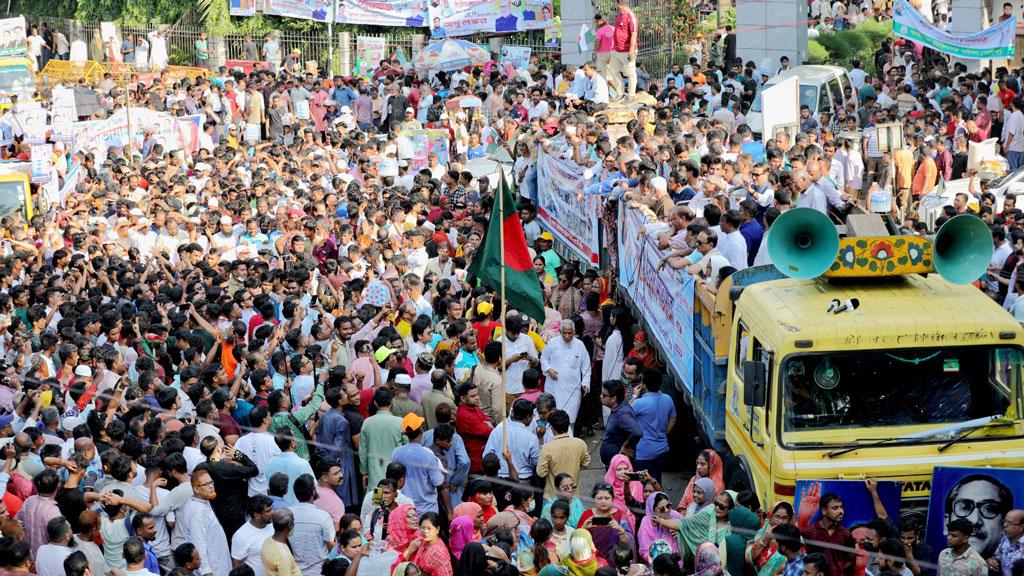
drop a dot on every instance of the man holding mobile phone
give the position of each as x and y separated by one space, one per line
520 353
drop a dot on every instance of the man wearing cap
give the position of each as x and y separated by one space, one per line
544 248
380 435
402 404
423 471
410 122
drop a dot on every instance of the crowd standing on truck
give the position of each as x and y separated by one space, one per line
247 328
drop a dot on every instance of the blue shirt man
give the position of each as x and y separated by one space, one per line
621 428
522 442
656 415
449 447
423 471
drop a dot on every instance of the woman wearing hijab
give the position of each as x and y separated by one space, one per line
709 465
583 559
504 521
475 512
655 538
763 550
743 524
461 530
704 493
566 486
406 569
709 524
707 561
431 555
626 493
403 527
473 560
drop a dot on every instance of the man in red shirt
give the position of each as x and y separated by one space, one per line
624 45
829 529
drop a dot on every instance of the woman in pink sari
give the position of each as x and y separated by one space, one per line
628 493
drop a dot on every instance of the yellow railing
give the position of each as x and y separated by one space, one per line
121 73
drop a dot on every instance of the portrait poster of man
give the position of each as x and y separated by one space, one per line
982 496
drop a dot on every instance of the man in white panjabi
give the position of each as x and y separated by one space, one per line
566 364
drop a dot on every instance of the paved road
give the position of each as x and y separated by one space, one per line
673 481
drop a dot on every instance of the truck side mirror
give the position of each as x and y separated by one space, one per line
754 384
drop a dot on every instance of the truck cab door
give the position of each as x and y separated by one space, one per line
753 369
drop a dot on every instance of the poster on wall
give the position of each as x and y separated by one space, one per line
982 496
407 13
450 18
243 8
421 144
370 50
306 9
12 36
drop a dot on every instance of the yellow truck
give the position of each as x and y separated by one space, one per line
16 190
16 79
850 358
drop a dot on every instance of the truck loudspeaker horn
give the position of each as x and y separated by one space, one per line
803 243
962 249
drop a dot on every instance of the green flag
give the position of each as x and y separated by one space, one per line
522 287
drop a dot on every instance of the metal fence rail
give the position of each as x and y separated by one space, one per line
656 43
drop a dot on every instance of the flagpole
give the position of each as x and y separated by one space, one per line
504 313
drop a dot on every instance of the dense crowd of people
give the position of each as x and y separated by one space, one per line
269 356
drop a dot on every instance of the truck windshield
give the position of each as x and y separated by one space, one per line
899 387
12 197
16 80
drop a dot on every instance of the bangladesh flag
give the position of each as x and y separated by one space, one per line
522 288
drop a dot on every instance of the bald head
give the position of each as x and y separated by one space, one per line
83 445
283 521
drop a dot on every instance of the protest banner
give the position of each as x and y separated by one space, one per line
996 41
243 8
108 31
370 50
247 66
63 114
981 495
71 180
857 502
172 133
12 36
571 219
419 144
405 13
664 297
449 18
518 57
42 163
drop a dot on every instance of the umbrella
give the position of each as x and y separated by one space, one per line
450 54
